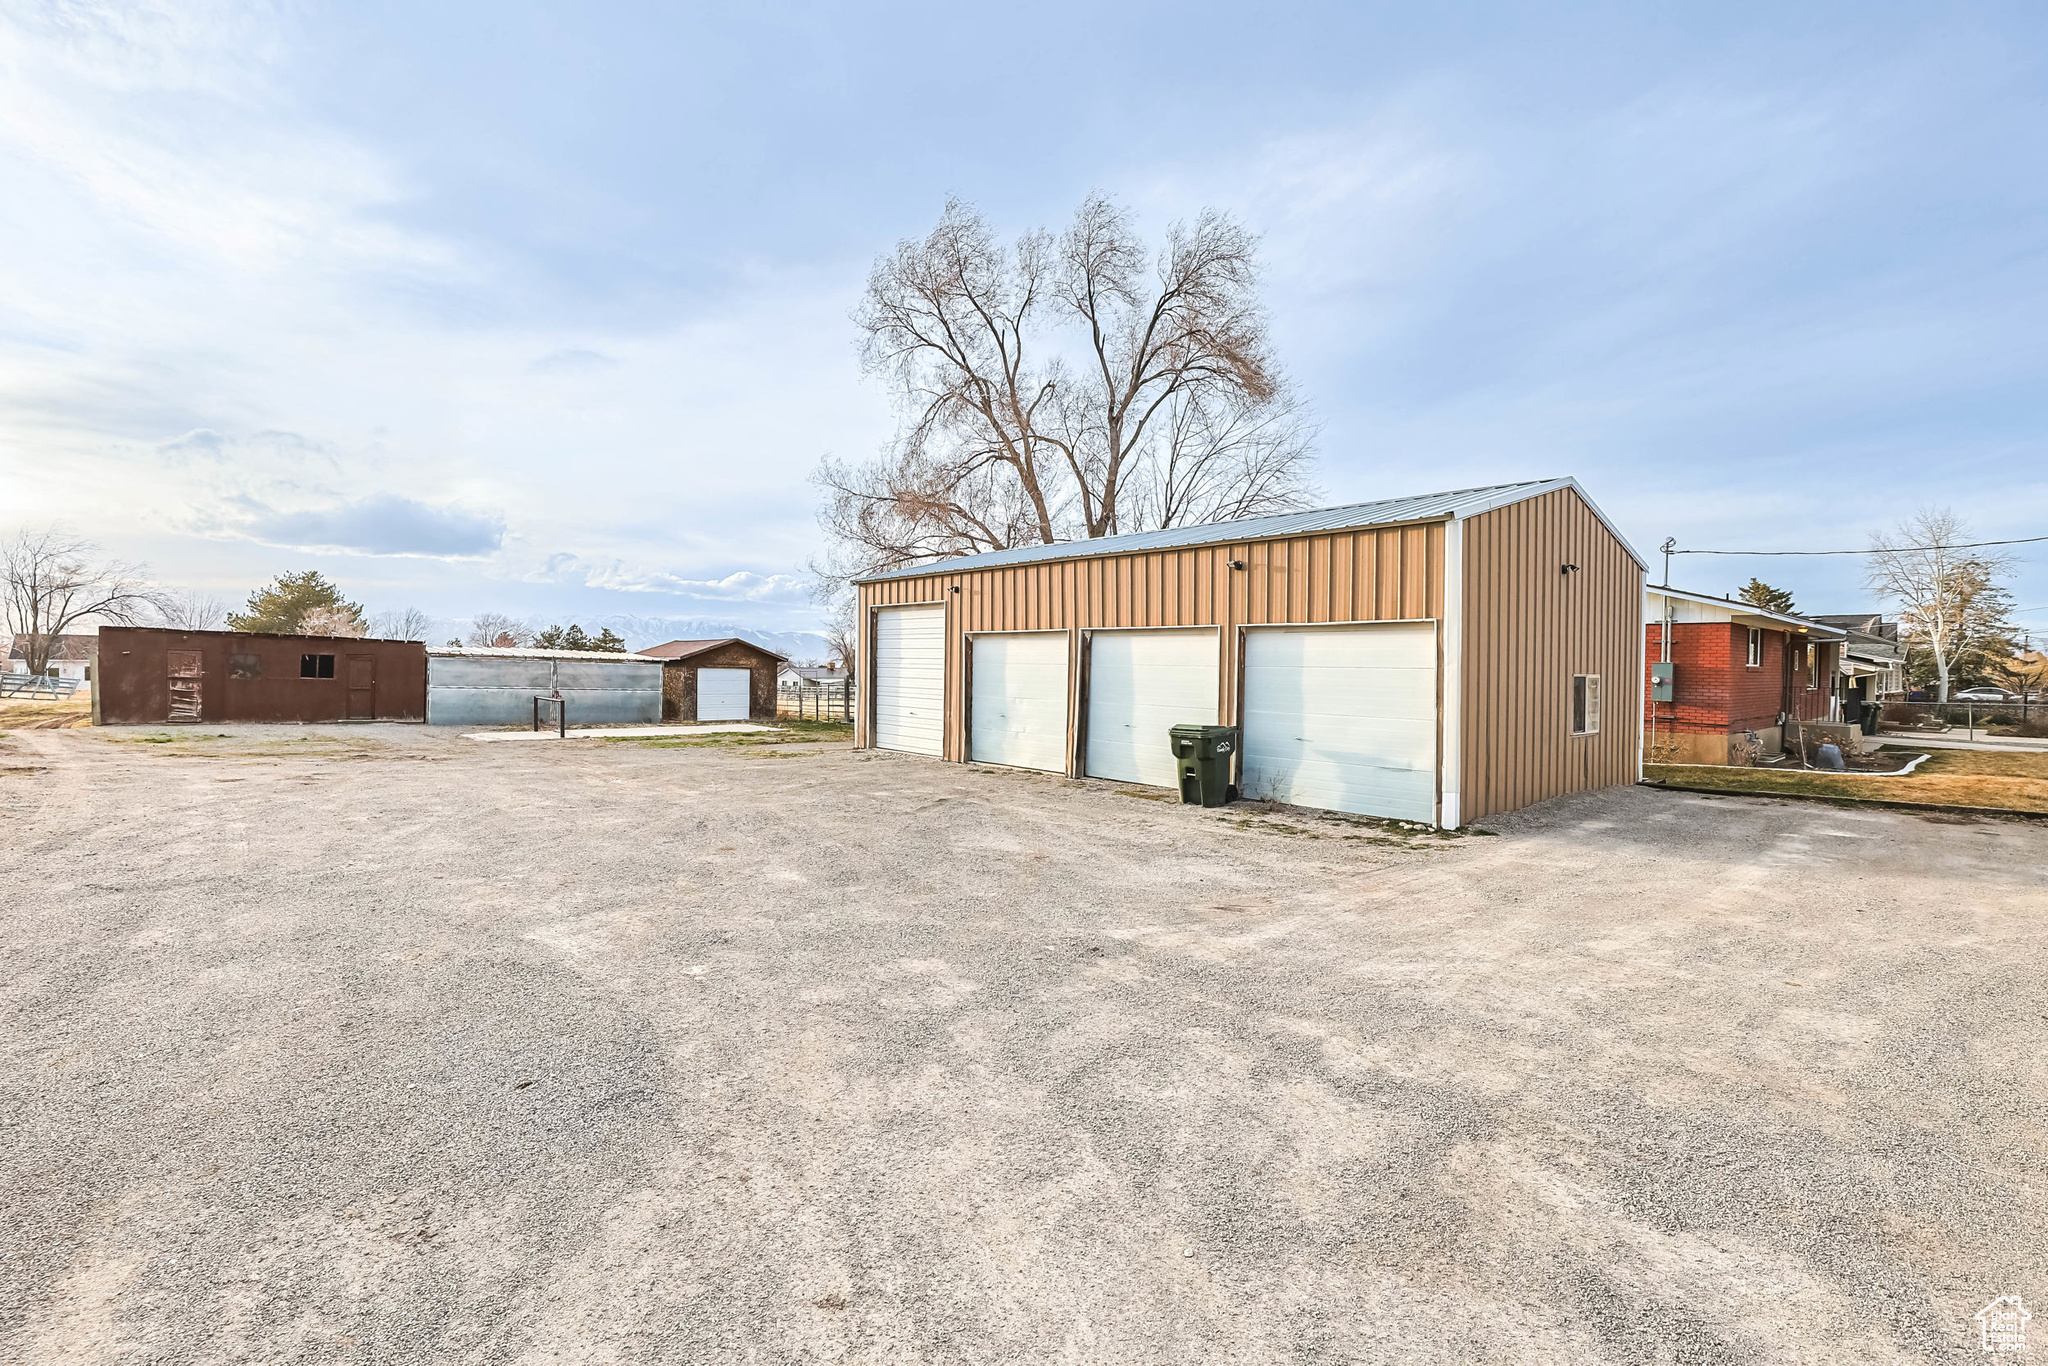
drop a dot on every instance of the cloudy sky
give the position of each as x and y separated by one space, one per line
543 310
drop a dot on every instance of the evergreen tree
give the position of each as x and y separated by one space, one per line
1757 593
575 638
283 604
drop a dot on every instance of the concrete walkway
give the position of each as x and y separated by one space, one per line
620 732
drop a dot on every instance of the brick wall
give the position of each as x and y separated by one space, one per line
1718 690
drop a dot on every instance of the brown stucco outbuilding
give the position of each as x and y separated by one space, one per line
152 676
717 680
1435 659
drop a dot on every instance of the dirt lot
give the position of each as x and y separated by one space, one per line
376 1045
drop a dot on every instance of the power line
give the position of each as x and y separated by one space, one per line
1875 550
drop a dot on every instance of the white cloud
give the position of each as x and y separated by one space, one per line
211 330
618 576
382 524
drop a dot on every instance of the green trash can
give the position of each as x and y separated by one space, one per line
1204 754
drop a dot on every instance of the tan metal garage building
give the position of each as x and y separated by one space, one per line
1434 659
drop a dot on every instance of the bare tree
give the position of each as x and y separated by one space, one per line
333 621
1949 598
495 630
54 581
410 624
187 609
1071 386
842 634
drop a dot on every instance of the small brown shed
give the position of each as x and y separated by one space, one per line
716 680
149 676
1433 659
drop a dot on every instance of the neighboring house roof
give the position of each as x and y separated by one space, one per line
1865 646
1863 623
493 652
1428 507
1746 613
817 673
68 649
1872 639
685 649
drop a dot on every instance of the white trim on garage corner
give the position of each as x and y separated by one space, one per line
1451 640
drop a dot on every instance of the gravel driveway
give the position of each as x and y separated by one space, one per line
372 1044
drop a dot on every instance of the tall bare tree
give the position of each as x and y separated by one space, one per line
345 621
1949 597
841 636
410 624
55 581
1066 386
495 630
188 609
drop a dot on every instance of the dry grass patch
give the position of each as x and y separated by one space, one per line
44 714
788 732
1947 777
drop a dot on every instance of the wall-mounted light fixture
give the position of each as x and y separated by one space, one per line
1237 564
1567 569
956 588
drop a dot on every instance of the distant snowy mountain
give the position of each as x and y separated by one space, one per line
640 632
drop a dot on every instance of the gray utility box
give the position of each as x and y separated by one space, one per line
1662 672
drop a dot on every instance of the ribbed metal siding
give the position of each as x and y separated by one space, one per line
1383 574
1281 526
1528 627
474 690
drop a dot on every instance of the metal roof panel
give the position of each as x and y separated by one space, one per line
1345 517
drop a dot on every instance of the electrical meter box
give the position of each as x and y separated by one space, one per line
1661 674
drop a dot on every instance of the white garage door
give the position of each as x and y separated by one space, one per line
1141 684
1018 713
1342 718
722 694
910 679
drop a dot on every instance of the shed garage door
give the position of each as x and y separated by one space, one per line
910 679
722 694
1140 685
1342 718
1018 709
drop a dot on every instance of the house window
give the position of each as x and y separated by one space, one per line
1812 667
1585 704
1756 647
316 666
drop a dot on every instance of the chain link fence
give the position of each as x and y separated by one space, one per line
2024 718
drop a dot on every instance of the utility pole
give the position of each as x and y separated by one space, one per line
1670 544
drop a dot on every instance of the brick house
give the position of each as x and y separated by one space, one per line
717 680
1736 674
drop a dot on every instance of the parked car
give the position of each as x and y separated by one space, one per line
1984 695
